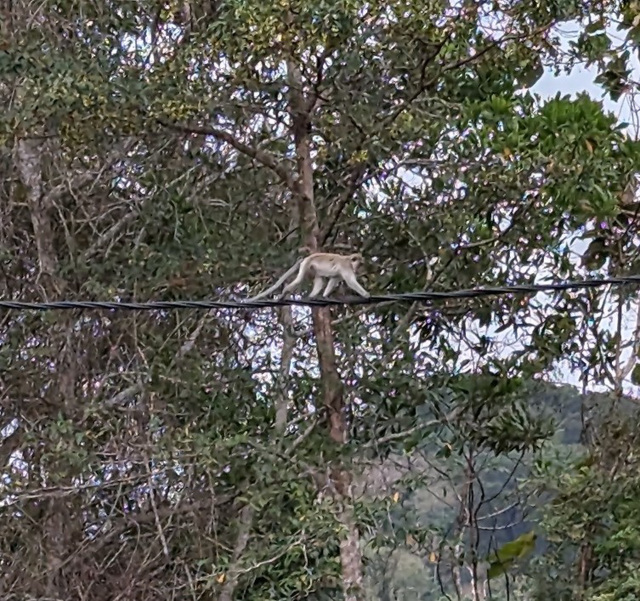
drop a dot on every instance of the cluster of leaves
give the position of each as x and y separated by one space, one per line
591 525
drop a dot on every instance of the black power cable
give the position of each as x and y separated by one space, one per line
321 302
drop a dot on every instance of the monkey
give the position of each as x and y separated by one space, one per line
321 265
332 266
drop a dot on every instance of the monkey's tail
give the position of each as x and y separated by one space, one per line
277 285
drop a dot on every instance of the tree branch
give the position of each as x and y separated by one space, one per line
354 182
84 177
452 66
244 532
453 414
422 86
262 156
431 280
315 94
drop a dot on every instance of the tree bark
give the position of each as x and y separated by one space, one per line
332 388
29 165
245 523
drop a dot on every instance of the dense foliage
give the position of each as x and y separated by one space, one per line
186 150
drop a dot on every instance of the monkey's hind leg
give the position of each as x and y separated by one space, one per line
317 286
333 282
292 285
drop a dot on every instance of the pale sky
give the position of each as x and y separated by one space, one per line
581 80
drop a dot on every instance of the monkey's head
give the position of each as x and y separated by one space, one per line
356 260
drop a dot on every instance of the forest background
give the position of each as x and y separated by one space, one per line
463 448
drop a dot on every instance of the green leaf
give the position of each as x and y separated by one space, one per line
503 558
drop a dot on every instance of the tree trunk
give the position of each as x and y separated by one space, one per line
29 165
332 388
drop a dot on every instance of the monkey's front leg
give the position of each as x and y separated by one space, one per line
351 281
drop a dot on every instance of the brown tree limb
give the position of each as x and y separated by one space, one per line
244 533
29 165
356 179
262 156
310 105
